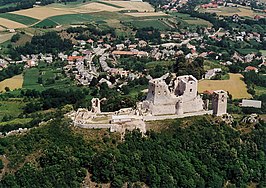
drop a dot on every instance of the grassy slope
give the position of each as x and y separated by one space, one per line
11 107
150 23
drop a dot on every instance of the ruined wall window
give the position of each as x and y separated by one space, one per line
152 92
164 92
159 93
190 90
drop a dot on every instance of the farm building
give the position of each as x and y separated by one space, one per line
251 103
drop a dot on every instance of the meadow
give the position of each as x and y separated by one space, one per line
51 78
235 86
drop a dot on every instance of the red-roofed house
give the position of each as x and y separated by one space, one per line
73 58
250 68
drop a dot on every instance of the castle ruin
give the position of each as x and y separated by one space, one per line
178 97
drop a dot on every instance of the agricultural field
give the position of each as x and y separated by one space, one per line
158 24
109 4
68 19
41 13
235 86
5 37
198 21
11 107
19 18
96 7
13 83
147 14
130 5
10 24
46 23
77 12
230 11
191 20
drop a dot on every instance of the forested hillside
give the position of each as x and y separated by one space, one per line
192 152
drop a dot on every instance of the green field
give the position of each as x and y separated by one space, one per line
157 24
46 23
109 4
67 20
212 64
190 20
98 17
198 21
31 79
19 18
11 107
51 78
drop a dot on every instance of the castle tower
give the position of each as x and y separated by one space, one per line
219 102
96 105
179 107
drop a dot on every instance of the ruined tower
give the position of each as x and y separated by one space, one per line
96 105
219 102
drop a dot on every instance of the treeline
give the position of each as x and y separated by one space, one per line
10 71
253 78
50 42
19 4
52 98
60 154
91 32
200 155
149 34
184 66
